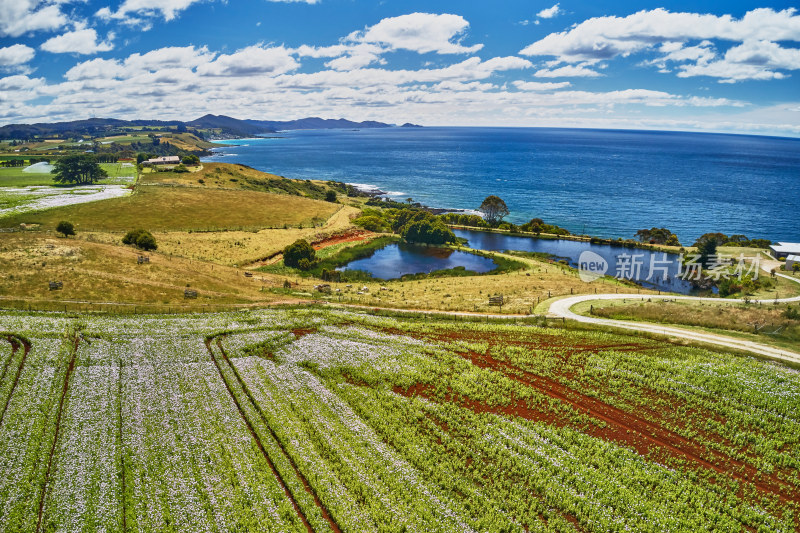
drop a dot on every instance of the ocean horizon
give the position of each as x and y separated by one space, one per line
608 183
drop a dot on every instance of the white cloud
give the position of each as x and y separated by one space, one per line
357 56
20 83
250 61
79 42
419 32
550 12
147 8
540 86
15 55
568 71
603 38
22 16
96 68
169 57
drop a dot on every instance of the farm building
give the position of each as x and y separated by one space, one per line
782 250
164 160
792 262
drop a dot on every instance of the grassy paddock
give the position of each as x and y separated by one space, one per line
768 323
97 273
167 208
15 177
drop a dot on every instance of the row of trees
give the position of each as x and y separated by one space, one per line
658 236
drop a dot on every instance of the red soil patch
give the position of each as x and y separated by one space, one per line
302 332
352 236
649 437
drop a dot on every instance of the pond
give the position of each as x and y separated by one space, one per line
629 263
399 259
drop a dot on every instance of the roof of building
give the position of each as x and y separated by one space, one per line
793 258
786 247
165 159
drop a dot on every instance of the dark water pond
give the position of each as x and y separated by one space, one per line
656 270
399 259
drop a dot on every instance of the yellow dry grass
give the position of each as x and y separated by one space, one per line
239 247
180 208
98 272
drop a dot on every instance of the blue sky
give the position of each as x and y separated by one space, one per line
725 66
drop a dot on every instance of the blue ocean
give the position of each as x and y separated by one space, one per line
608 183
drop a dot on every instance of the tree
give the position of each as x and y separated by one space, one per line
405 217
80 169
428 231
190 160
706 249
719 238
494 209
371 223
66 228
296 252
141 238
330 196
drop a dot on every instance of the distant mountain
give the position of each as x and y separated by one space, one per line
231 126
316 123
92 126
227 126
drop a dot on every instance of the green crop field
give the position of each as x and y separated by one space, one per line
15 177
326 420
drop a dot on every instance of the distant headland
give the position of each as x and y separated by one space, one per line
219 126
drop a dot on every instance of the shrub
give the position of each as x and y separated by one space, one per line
66 228
428 232
304 264
180 169
297 251
371 223
140 238
792 313
330 196
146 241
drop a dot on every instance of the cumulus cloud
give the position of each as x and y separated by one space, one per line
12 57
169 57
604 38
22 16
419 32
96 68
751 60
168 9
550 12
540 85
20 83
568 71
78 42
250 61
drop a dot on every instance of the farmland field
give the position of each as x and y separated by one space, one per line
326 420
169 208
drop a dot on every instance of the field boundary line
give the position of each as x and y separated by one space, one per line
64 389
325 512
26 348
257 439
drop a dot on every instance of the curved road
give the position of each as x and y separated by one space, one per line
562 309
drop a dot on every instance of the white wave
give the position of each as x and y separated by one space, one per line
365 187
